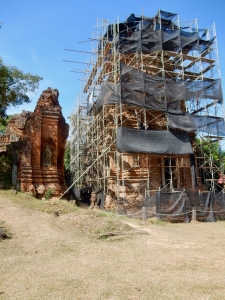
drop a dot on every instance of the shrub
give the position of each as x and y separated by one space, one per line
48 193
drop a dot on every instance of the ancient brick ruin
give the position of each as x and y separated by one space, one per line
42 136
14 130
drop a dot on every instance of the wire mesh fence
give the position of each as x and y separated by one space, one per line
181 207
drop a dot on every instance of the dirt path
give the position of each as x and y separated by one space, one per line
47 258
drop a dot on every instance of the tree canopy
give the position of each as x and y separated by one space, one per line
210 149
14 87
3 124
67 155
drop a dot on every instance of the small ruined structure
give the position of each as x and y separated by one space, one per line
152 93
43 133
14 130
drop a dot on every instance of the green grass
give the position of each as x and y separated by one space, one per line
101 213
155 221
49 206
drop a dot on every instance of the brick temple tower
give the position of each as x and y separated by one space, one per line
41 163
150 103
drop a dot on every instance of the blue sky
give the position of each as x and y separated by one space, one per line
35 33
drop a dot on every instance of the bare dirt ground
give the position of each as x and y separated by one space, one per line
63 257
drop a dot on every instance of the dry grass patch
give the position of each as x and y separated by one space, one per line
5 232
98 225
66 258
95 224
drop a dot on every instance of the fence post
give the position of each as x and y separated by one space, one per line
144 213
193 218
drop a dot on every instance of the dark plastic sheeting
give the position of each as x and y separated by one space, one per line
158 86
189 122
109 94
155 142
219 205
172 207
206 214
155 92
176 207
153 34
160 39
165 15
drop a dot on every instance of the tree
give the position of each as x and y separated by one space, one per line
210 149
210 161
67 155
14 86
3 124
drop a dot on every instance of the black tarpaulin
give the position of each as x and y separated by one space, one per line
160 39
155 92
155 142
204 89
109 94
165 15
178 89
171 207
189 122
206 214
219 205
171 40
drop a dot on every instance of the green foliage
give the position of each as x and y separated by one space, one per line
48 193
156 221
210 149
67 155
14 86
210 156
3 123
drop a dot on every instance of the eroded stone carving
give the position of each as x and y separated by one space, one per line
26 154
47 156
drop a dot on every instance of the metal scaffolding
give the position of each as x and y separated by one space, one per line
174 58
